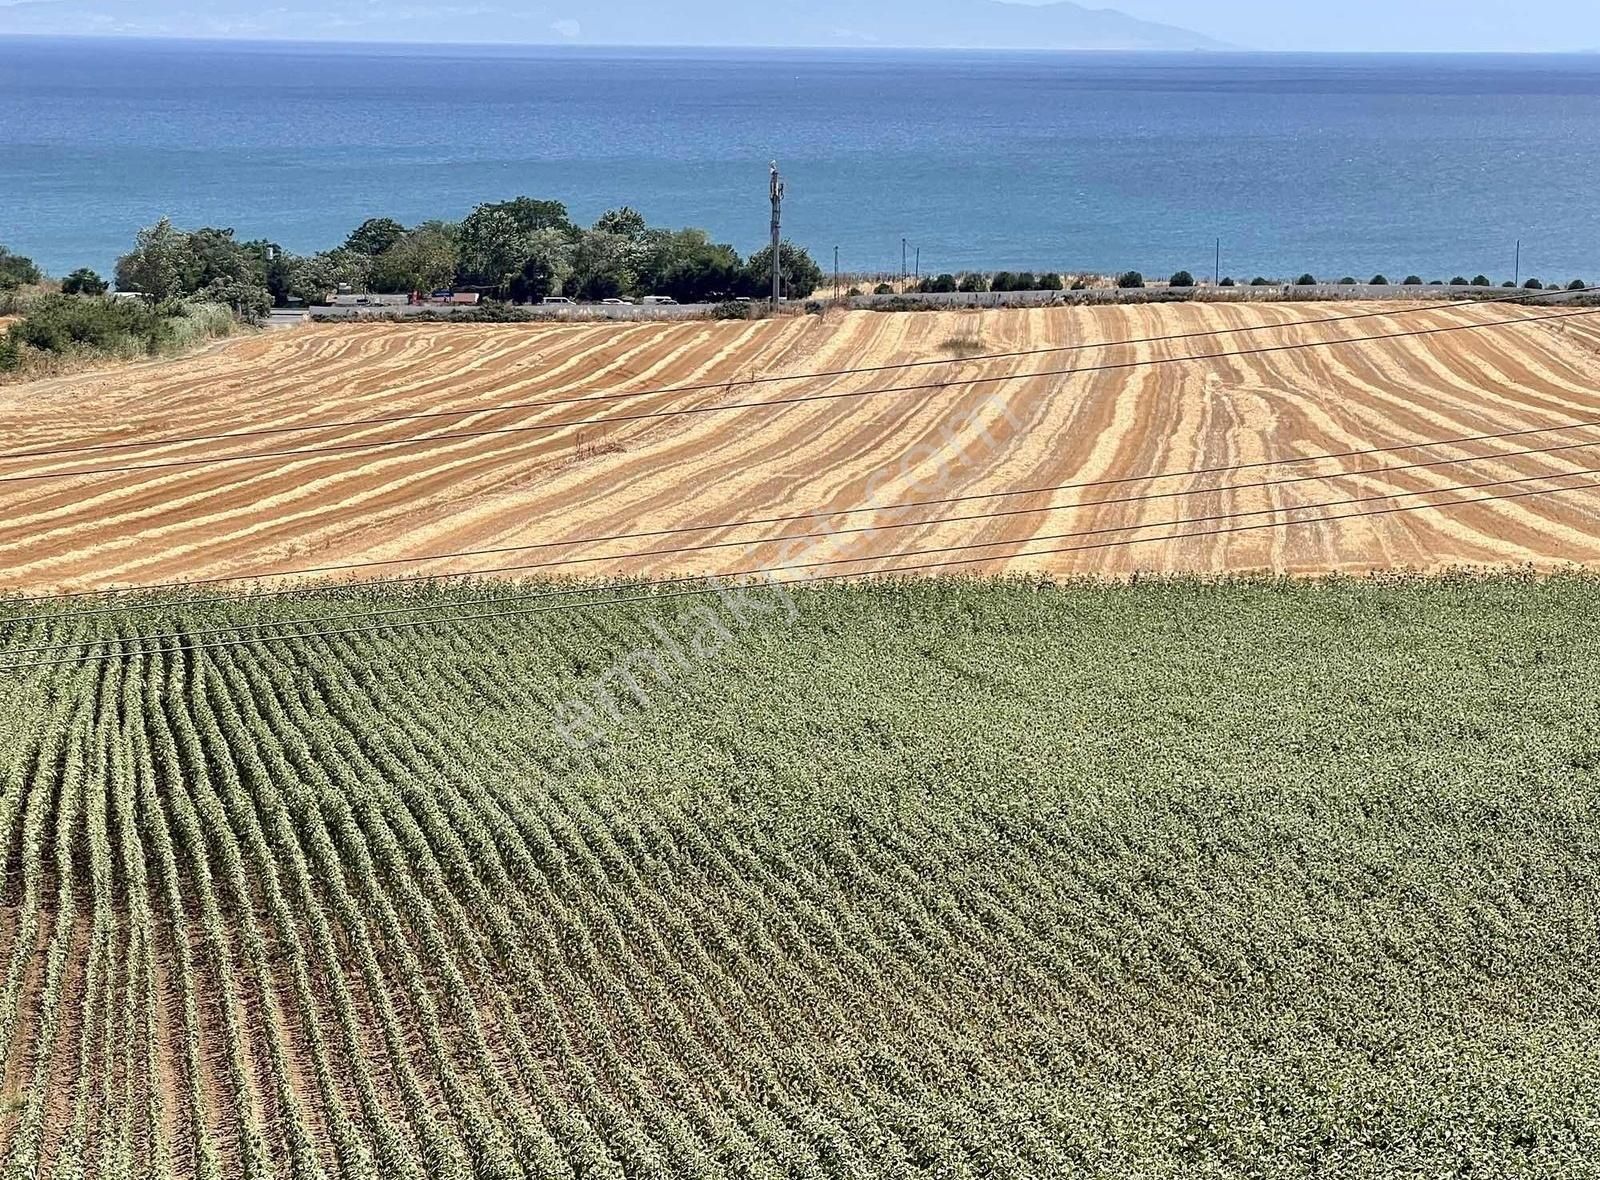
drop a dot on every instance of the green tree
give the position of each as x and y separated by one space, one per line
1050 282
1130 280
625 222
375 236
1003 281
1348 281
546 269
800 273
973 283
507 245
248 300
1577 285
1459 281
158 263
1378 281
318 276
1412 281
83 281
944 284
602 266
1182 279
1533 285
425 259
1482 281
1260 281
1306 280
1227 281
17 271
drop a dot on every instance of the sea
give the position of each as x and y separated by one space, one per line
1434 165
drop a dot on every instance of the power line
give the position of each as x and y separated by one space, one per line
456 620
779 403
1391 469
543 595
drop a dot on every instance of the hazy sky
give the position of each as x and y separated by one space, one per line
1380 25
1394 25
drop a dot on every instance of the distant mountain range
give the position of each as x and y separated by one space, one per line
931 24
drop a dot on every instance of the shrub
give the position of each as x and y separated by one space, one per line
1577 285
1259 281
942 285
972 284
1412 281
1509 283
1182 279
1378 281
1079 285
883 289
731 309
17 271
1458 281
963 346
1049 282
83 281
1348 281
1533 285
1130 280
1025 281
71 325
853 293
1306 280
1228 282
1004 281
1482 281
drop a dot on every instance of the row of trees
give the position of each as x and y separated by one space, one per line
1133 279
522 250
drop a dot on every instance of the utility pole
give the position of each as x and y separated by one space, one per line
903 271
1216 268
777 234
1518 280
836 288
918 272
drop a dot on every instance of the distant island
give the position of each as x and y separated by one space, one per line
913 24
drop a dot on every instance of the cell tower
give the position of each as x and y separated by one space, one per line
777 234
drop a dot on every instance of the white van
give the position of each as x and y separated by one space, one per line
557 301
658 301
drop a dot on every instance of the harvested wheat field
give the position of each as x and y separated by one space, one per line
593 474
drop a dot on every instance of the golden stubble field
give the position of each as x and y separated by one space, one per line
594 474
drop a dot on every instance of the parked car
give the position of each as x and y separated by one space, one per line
658 300
558 301
615 303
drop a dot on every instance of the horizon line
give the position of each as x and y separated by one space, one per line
1211 51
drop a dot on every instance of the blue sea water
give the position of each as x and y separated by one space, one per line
1333 164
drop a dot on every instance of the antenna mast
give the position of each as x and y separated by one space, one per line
777 234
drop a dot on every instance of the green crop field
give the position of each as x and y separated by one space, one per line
946 878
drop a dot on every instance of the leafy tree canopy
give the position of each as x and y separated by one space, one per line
17 271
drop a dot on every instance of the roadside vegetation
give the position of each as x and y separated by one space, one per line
944 878
58 332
